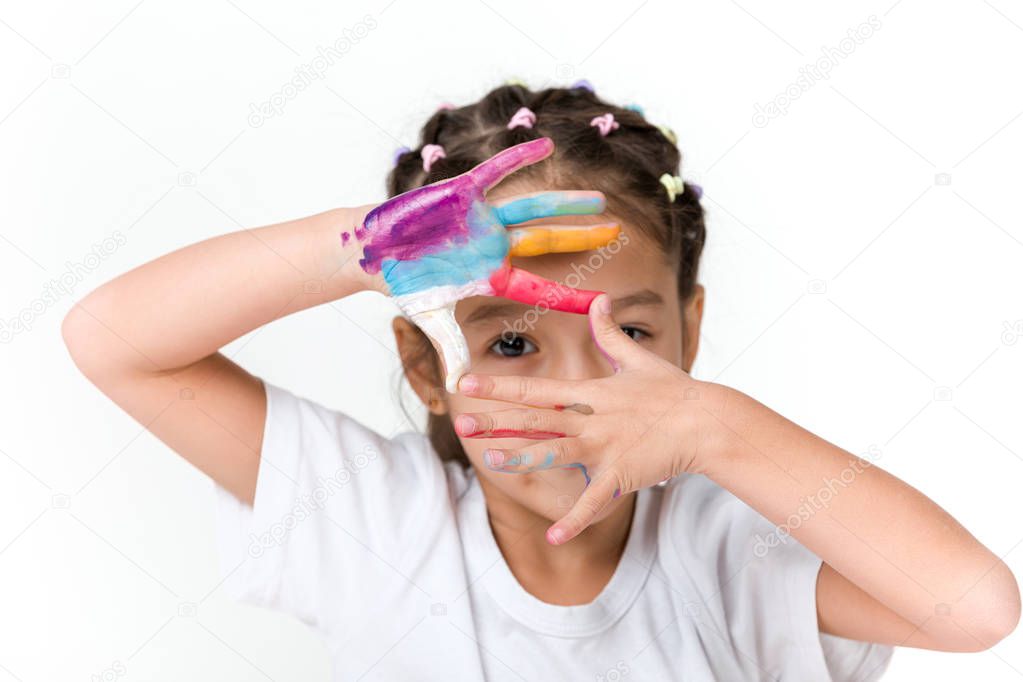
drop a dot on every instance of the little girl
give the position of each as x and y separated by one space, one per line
581 508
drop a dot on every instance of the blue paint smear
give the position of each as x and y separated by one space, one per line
582 468
455 265
547 205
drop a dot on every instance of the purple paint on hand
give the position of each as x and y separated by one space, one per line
437 244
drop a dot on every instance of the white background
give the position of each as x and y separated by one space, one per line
851 285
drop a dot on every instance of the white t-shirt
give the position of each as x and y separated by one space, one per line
388 553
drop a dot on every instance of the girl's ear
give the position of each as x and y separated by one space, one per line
693 314
419 360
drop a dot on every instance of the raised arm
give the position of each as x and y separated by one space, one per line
898 568
150 338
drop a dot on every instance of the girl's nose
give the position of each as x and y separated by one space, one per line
580 360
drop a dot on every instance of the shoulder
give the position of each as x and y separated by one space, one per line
312 439
718 537
763 583
699 515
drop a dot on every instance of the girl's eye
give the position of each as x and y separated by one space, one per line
634 333
512 346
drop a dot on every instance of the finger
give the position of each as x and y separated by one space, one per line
442 329
525 390
504 163
561 454
519 423
525 287
539 239
615 344
594 499
549 205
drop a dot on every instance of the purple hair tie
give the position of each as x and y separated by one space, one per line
605 124
400 152
583 83
523 118
697 190
431 154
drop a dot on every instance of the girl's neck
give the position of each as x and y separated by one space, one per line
573 573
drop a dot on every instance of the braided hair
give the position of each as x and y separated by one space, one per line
626 165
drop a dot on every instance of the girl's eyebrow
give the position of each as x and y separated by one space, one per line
641 297
489 311
505 309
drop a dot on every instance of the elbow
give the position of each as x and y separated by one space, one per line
81 338
984 617
72 333
1003 614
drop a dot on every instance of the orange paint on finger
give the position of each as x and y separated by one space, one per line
536 241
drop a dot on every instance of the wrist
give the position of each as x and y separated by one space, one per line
718 411
342 252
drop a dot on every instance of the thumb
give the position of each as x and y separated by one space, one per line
615 344
446 335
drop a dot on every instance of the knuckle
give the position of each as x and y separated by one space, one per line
484 421
622 479
523 389
560 449
534 421
590 505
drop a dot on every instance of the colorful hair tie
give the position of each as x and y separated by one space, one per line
605 124
673 184
523 118
516 81
431 154
635 107
400 152
445 106
583 84
697 190
668 133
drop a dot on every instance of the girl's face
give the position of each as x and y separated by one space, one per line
509 338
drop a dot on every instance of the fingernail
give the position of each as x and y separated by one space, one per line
618 492
465 425
555 536
493 458
604 304
468 384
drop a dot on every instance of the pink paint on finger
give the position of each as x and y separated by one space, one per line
525 287
506 162
593 335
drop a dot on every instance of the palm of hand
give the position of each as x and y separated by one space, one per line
438 244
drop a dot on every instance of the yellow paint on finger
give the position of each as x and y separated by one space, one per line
536 241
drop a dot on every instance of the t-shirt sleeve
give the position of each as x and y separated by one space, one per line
334 502
765 584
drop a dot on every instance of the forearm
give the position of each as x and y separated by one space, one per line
184 306
878 532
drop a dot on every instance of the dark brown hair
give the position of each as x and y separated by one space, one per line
626 165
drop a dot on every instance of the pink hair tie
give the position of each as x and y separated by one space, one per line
523 118
431 154
605 124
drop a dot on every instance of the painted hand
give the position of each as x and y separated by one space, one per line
438 244
646 423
